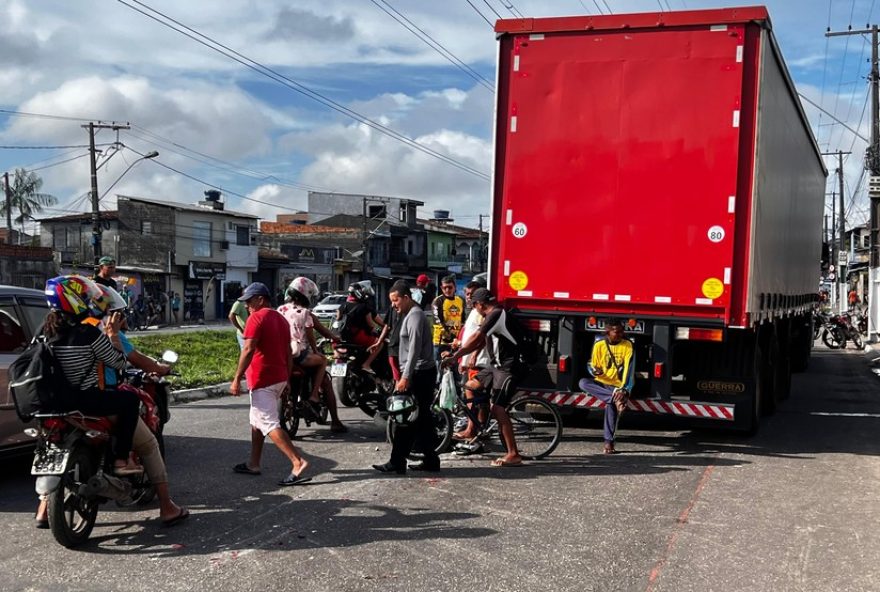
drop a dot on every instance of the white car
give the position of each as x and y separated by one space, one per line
326 309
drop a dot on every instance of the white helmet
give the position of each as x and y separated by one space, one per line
304 287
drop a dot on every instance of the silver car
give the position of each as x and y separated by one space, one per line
22 312
326 309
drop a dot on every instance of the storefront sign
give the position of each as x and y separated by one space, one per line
202 270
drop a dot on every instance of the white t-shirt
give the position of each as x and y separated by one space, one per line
471 326
299 319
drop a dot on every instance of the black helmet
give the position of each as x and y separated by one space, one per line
402 408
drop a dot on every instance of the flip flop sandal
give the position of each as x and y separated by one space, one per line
183 515
243 469
294 480
501 463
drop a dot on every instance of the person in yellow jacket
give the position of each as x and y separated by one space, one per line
612 373
448 316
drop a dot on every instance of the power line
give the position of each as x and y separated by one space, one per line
608 8
42 115
43 147
488 22
513 9
54 164
492 8
294 85
433 44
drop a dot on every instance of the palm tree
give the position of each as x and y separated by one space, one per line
26 198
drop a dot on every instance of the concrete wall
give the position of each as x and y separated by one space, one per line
142 247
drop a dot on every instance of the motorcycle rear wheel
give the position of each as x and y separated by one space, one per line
856 339
833 338
72 517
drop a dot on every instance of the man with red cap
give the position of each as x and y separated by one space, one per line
428 292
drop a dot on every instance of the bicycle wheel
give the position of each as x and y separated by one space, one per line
537 427
442 420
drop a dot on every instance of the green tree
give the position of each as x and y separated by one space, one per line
26 197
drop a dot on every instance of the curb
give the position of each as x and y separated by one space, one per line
213 391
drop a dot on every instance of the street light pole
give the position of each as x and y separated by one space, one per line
97 231
872 163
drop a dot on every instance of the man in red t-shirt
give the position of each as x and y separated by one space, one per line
266 363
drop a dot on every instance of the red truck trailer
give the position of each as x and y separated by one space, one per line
659 169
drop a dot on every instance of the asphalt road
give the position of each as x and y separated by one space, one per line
794 508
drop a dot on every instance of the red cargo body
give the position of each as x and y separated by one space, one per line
658 167
626 168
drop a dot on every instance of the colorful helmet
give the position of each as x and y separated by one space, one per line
360 291
114 298
74 295
303 287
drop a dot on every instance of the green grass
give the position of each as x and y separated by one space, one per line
206 357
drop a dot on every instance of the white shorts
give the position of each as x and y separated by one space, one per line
264 407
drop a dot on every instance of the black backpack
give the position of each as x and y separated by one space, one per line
37 382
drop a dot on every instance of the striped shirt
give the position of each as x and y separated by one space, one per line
79 351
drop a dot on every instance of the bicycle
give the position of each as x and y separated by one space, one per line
537 425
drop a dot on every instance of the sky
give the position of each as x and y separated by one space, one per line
337 96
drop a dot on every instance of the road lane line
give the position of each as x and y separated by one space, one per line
682 520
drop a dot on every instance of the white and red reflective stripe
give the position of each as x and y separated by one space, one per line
722 411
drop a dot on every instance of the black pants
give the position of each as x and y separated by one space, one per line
123 404
421 433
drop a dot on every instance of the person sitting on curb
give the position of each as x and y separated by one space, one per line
612 373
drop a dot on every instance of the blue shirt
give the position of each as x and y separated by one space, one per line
110 377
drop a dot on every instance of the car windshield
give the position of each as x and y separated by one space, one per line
336 299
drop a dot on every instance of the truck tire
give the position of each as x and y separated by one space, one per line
768 374
749 408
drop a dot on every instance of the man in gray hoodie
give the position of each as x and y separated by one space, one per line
418 374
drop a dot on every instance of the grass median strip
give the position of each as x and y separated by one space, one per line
206 357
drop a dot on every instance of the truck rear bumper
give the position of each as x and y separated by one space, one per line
694 409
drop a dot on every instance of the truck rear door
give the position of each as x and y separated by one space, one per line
616 169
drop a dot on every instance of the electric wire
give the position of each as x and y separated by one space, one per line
294 85
18 147
599 8
492 8
608 8
433 44
488 22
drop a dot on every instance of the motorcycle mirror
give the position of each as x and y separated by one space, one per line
169 357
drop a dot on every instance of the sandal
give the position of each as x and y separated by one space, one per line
181 516
609 448
243 469
500 463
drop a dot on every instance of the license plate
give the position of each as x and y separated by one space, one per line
338 368
50 461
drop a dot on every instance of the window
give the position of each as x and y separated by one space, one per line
35 312
59 237
201 239
146 227
376 212
12 337
242 236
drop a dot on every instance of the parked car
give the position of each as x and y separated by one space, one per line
22 312
326 309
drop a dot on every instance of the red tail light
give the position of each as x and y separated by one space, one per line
562 365
658 369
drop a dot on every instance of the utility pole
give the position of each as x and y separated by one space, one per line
8 208
872 163
841 231
97 230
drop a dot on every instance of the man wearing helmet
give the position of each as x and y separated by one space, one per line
361 321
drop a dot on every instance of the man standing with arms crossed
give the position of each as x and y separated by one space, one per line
266 362
418 374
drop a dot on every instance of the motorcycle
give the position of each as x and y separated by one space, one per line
356 387
157 388
74 468
292 409
838 330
